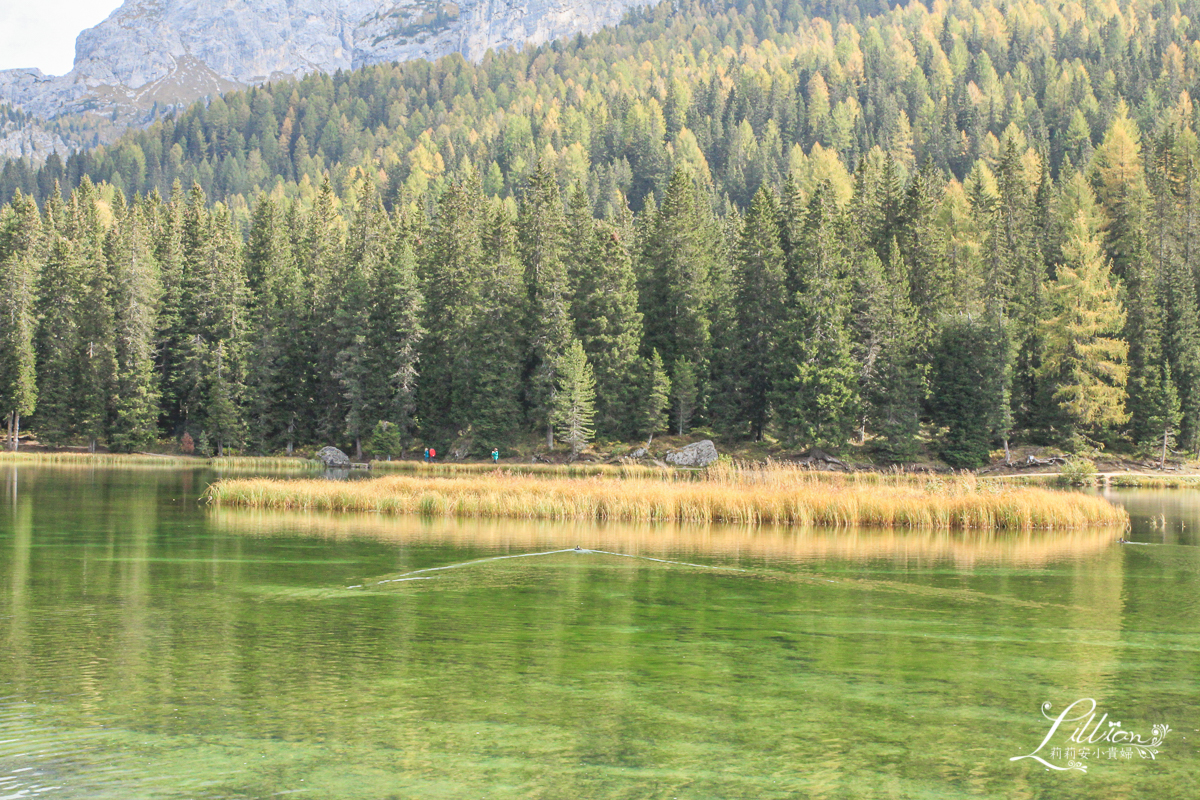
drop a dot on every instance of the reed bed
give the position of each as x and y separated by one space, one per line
772 495
1139 481
101 459
584 470
264 462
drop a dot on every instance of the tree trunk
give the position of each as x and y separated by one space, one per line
1162 462
358 448
550 435
220 448
92 445
1007 455
10 431
16 444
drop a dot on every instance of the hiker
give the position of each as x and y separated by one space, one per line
495 455
433 454
426 455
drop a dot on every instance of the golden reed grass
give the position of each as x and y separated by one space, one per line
100 459
578 470
745 495
232 463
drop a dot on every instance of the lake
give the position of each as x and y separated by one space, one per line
151 647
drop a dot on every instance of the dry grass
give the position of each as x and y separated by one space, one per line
578 470
100 459
1140 481
767 494
263 462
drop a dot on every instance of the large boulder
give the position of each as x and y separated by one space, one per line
333 458
696 454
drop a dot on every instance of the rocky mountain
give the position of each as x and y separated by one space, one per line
153 54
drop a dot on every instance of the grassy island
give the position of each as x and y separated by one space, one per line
748 495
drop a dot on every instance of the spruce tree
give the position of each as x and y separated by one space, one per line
655 397
896 389
610 327
759 309
815 386
60 289
542 238
678 251
20 256
574 402
136 291
969 380
684 393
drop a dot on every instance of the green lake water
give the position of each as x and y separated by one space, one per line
151 647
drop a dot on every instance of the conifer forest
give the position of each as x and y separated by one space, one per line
939 229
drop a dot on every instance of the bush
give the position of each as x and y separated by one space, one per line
1078 471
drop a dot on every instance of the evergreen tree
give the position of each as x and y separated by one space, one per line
815 385
135 295
60 290
759 308
495 409
542 237
969 381
20 254
683 393
574 402
896 389
678 249
610 327
655 397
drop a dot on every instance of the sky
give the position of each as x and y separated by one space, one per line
41 33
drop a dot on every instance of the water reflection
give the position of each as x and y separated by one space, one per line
772 544
152 647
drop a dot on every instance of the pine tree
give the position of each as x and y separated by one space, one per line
969 380
759 308
655 397
683 393
452 285
135 294
395 333
610 326
367 250
896 388
542 238
679 246
815 384
94 362
495 405
20 255
574 402
60 289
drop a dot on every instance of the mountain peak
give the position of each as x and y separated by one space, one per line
172 52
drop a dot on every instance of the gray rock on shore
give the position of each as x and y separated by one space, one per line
696 454
333 458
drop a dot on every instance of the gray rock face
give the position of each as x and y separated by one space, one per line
175 51
333 458
641 452
696 454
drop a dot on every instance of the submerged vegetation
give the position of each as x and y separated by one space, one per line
734 495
